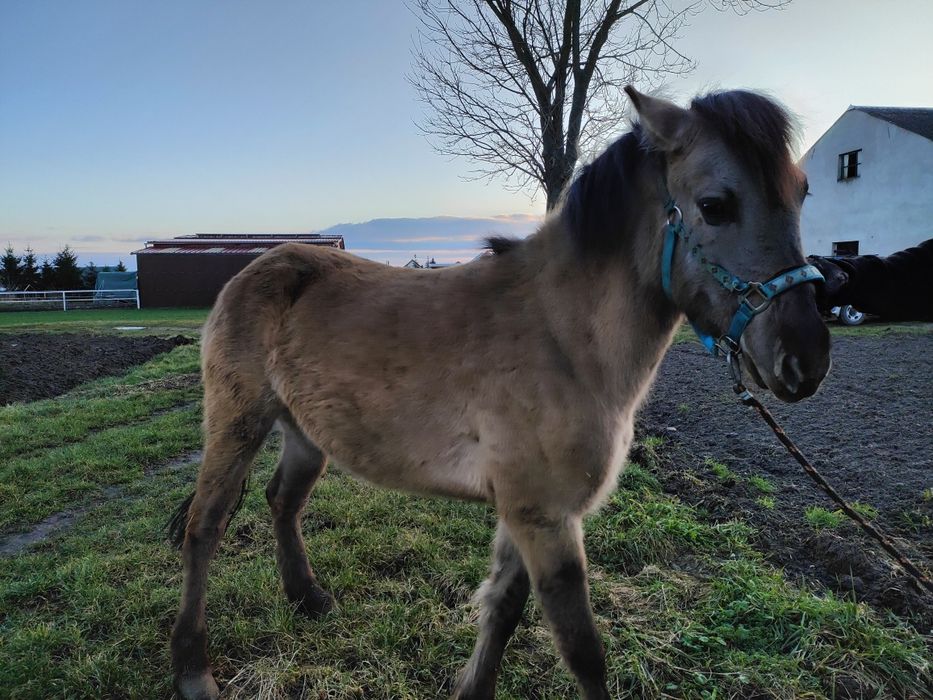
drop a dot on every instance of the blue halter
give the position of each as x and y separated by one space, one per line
749 307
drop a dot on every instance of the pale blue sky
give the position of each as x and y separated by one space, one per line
122 120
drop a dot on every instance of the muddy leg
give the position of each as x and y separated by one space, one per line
553 554
228 455
299 467
502 597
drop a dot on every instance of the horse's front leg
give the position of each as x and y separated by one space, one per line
552 549
502 599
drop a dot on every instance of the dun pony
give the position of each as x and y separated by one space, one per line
523 388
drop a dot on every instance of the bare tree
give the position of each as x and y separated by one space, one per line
524 87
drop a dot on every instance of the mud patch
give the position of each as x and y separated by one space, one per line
37 366
55 524
12 545
866 430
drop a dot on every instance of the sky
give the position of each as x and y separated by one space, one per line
125 120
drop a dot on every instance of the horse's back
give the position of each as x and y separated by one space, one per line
371 361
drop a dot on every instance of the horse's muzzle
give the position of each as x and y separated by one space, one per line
788 347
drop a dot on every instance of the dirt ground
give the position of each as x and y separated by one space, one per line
41 365
867 430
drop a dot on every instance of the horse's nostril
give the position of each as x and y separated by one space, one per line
797 381
791 373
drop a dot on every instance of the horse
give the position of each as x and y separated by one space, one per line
523 388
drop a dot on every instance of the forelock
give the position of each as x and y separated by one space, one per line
759 132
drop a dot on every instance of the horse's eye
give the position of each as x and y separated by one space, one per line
715 211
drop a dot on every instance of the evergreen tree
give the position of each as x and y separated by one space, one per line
67 272
46 275
120 267
9 274
29 271
89 276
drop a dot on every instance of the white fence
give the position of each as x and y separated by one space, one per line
69 299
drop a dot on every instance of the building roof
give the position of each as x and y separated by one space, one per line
235 243
916 119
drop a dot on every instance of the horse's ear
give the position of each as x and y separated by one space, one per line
666 124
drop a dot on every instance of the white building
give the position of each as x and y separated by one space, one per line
871 183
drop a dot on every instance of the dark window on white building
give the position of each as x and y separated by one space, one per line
845 248
848 165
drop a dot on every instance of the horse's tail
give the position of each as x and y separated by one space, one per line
177 525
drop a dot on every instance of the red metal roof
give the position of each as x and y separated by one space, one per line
234 244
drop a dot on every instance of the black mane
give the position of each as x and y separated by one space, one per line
600 199
500 245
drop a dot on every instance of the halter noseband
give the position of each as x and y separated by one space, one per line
754 297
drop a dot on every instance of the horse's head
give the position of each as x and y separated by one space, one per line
730 173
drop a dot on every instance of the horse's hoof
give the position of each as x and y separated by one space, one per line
315 603
197 686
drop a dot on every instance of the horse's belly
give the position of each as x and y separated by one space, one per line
456 472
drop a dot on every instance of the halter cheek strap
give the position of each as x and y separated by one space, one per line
754 297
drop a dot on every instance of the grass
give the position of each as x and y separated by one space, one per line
155 321
766 502
822 519
870 329
722 472
879 328
168 381
687 608
867 511
761 484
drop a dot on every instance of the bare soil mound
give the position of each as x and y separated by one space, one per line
42 365
867 430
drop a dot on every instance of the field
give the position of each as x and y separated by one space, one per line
695 594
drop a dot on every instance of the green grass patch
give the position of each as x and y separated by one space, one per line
637 478
874 329
155 321
722 472
822 519
766 502
167 381
915 519
761 484
867 511
38 485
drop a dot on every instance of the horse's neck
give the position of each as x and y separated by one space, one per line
609 315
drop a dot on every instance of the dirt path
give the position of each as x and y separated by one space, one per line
868 430
37 366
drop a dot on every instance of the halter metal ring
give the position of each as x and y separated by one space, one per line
674 215
754 287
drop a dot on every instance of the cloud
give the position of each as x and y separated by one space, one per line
426 236
428 239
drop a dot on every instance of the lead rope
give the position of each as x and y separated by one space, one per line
748 399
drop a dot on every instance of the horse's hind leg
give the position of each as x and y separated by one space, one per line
553 553
231 443
300 466
502 599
